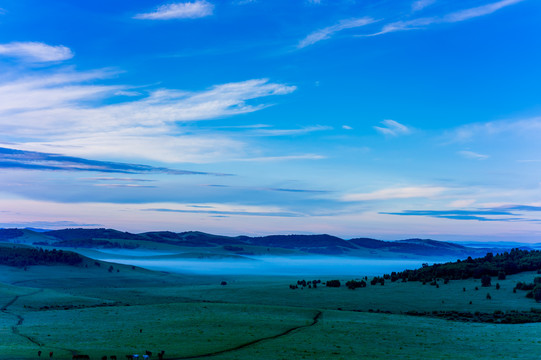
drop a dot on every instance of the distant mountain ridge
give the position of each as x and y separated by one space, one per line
321 244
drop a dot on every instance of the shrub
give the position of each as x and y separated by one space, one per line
333 283
537 293
353 284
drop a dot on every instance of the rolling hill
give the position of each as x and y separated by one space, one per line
321 244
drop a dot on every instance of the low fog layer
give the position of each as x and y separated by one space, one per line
274 265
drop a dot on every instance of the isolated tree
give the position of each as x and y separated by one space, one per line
537 293
485 280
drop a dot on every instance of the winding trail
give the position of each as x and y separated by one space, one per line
20 319
315 320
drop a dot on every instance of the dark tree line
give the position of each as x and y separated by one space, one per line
507 263
311 284
7 234
93 243
21 257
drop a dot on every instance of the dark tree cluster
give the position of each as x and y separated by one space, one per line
6 234
100 233
93 243
311 284
233 248
500 265
21 257
498 316
334 283
377 280
354 284
534 289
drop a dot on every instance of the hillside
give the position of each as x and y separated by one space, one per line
321 244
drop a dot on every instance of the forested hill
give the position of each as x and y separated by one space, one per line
303 244
27 256
506 263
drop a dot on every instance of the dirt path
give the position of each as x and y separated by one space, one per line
315 320
20 319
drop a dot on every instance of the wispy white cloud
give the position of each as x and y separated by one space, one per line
453 17
283 158
182 10
393 128
326 33
102 178
421 4
473 155
35 52
125 185
61 224
347 127
145 127
31 160
474 131
461 203
291 132
396 193
226 209
478 11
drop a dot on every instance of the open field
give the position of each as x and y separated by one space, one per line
91 310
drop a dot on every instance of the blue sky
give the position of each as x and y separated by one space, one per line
388 119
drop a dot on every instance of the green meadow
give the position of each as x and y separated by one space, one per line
98 311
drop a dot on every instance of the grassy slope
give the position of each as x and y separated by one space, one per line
187 315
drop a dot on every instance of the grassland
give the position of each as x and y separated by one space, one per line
93 310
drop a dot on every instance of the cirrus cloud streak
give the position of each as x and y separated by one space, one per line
396 193
186 10
36 52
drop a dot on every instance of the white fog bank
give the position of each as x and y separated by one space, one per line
274 265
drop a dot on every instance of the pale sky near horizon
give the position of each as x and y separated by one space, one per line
385 119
